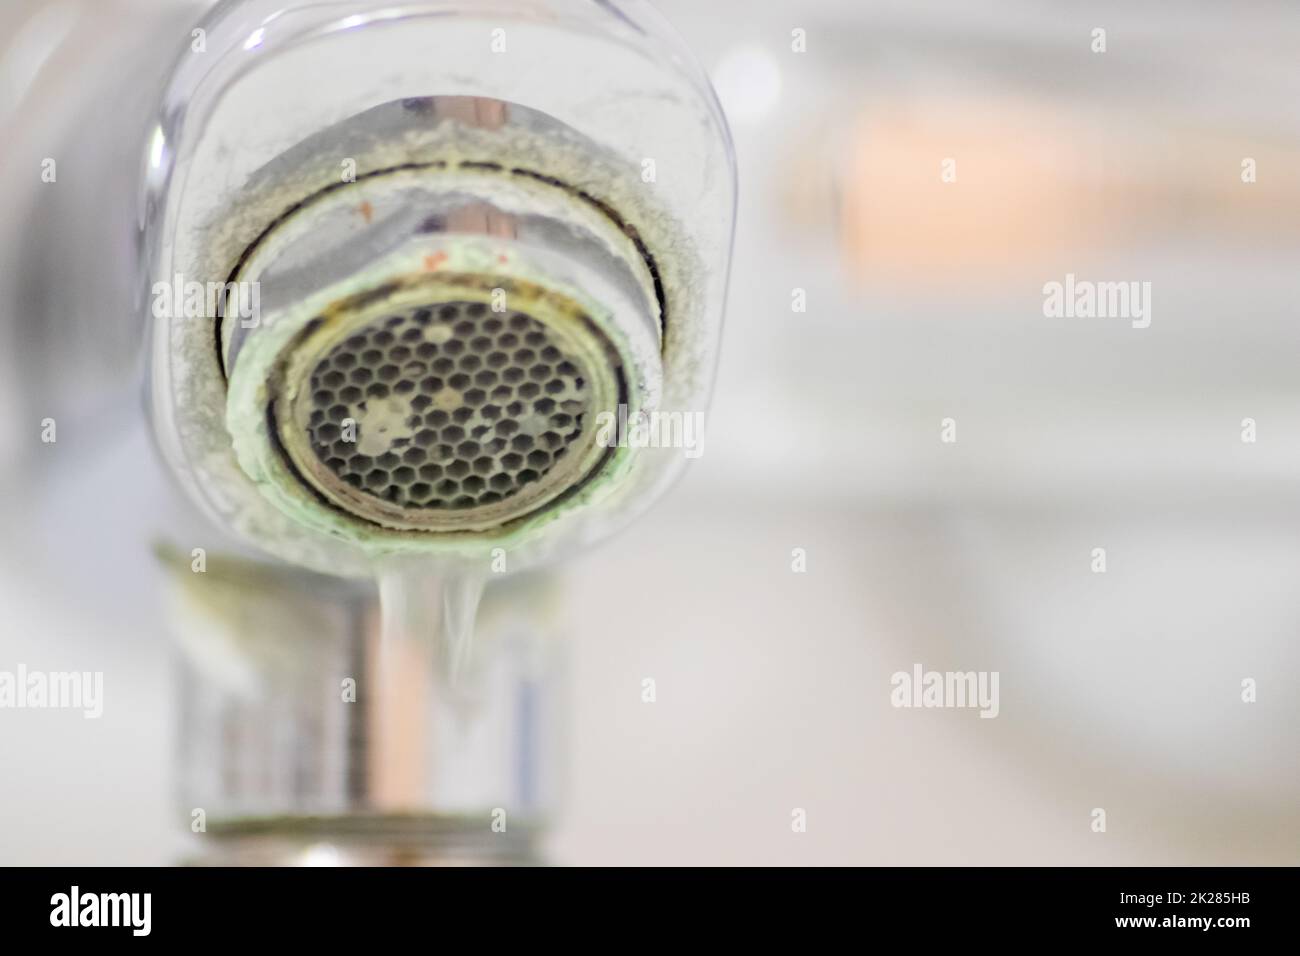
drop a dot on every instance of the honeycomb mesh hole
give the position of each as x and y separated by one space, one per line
446 408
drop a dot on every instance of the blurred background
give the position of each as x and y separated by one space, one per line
924 302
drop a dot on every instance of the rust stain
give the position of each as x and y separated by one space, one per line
367 211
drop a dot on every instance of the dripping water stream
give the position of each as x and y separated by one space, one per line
420 660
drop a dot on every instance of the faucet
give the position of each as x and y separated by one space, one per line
414 285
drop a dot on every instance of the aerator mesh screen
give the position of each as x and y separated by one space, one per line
446 407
